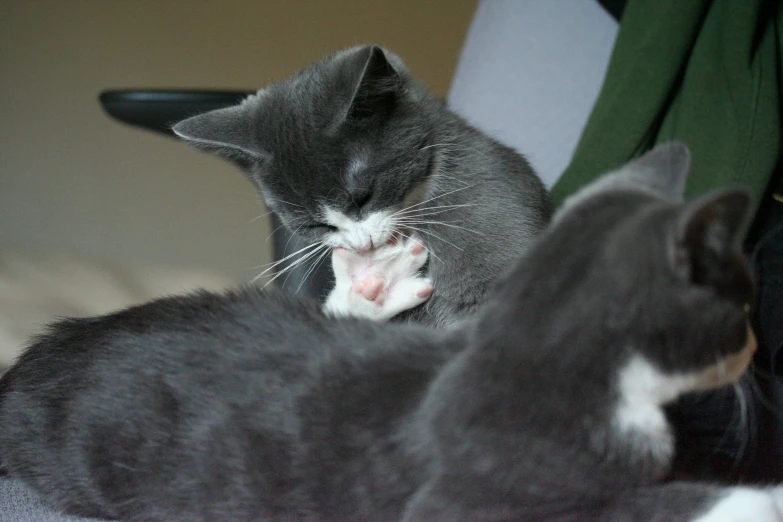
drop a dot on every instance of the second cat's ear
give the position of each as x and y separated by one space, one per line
705 235
225 132
375 84
663 169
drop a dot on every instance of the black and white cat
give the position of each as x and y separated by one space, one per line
352 153
547 405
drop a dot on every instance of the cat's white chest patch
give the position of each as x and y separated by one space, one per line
638 416
358 235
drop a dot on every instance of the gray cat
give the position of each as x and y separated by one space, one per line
547 405
353 153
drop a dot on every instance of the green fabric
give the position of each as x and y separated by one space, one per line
705 72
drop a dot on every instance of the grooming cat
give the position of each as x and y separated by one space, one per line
352 152
544 406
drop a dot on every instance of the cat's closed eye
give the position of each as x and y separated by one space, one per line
319 227
360 196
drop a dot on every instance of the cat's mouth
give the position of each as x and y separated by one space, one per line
357 235
731 367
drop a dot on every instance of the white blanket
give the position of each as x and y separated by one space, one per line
37 289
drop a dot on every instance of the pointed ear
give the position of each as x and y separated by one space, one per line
663 169
375 87
705 235
226 132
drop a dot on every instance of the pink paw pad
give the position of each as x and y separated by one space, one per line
417 248
424 292
370 288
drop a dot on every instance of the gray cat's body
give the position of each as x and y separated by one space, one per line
352 149
546 406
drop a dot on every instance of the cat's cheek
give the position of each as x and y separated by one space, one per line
732 367
334 241
737 363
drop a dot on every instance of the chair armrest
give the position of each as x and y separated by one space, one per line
159 109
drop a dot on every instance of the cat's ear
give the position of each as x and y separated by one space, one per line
706 234
663 169
374 84
225 132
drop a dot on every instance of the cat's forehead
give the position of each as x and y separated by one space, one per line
283 113
297 125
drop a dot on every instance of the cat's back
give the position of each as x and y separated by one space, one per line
137 398
504 177
496 172
181 336
485 208
243 405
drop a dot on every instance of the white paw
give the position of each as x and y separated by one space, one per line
745 504
381 283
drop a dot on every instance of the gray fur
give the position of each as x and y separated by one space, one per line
661 171
296 140
255 406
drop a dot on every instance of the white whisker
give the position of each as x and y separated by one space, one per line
296 263
293 234
759 394
436 236
407 223
431 210
262 216
428 250
289 203
310 255
313 267
744 425
437 197
271 266
273 233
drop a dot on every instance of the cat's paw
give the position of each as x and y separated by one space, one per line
745 504
381 283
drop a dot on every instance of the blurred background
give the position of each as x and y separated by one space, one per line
96 215
73 180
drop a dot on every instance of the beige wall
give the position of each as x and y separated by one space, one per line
72 179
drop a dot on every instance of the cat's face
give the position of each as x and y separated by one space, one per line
679 284
628 267
338 150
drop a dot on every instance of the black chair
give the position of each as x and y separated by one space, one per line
158 110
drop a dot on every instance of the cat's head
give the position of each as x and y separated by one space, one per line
627 267
335 150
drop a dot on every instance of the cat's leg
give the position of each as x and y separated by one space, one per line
674 502
381 283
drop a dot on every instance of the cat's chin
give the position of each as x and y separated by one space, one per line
361 235
731 368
